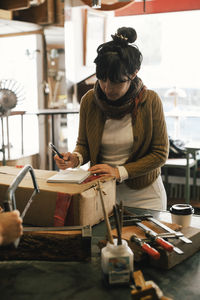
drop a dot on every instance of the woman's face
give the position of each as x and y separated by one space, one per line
113 90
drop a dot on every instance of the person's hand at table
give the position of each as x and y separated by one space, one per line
10 227
69 160
104 169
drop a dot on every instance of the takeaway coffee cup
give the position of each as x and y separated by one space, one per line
182 214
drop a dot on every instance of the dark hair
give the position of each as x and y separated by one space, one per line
117 59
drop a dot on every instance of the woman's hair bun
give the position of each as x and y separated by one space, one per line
127 33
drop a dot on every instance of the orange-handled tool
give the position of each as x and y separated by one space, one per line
164 244
153 235
146 247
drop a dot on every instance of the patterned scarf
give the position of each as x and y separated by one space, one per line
126 104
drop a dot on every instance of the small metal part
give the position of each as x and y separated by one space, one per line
178 250
170 235
87 231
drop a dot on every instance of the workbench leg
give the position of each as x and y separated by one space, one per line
53 141
187 185
166 180
8 137
3 144
22 134
194 176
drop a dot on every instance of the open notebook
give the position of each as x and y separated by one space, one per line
70 176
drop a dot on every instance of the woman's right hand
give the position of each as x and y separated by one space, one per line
69 160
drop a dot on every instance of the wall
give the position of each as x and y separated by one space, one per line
21 59
74 26
170 49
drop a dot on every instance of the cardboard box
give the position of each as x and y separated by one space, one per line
59 204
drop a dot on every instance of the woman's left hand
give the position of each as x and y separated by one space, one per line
105 169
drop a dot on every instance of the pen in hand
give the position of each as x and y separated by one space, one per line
54 149
64 160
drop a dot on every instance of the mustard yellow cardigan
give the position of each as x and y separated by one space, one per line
150 147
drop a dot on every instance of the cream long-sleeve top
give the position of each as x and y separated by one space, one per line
117 144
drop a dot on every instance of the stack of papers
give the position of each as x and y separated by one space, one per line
70 176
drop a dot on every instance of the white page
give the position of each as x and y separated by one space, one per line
70 176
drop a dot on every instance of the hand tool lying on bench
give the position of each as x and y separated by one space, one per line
145 247
169 230
149 217
153 236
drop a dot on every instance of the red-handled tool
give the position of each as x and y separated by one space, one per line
160 241
164 244
146 247
153 235
176 234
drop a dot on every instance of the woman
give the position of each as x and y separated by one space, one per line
122 130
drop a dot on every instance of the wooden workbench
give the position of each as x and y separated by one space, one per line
79 280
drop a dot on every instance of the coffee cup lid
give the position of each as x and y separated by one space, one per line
182 209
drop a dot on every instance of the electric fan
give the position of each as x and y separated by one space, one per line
11 95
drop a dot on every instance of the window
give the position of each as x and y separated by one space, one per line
18 61
170 45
